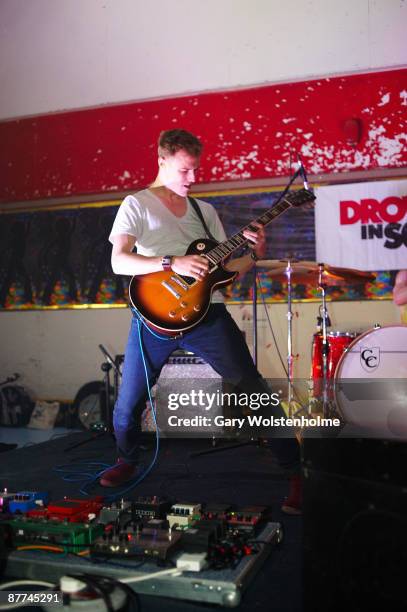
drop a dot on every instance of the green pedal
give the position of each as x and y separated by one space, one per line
72 537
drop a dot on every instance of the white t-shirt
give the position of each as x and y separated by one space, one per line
157 231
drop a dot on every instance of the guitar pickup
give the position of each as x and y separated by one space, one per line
171 289
179 282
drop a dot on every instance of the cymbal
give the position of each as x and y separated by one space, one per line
282 263
308 272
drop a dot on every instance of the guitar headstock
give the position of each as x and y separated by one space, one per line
300 198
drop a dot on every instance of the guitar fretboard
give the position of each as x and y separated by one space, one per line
224 249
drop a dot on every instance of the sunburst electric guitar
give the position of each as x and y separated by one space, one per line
173 303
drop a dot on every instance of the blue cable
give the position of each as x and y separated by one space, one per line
149 329
157 433
74 472
141 322
81 471
120 494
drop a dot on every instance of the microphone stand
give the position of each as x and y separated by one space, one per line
254 311
297 173
290 358
106 367
254 314
106 426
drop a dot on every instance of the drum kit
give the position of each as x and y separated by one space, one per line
346 366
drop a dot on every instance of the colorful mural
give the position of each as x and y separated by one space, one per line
61 258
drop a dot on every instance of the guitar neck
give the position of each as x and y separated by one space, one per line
226 248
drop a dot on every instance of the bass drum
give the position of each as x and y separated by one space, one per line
371 383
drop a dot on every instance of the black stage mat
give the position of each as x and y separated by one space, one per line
244 475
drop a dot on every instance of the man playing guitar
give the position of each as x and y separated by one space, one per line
161 222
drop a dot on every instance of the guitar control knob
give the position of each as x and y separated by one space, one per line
172 314
197 307
185 317
183 304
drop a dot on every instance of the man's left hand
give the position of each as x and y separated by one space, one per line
257 239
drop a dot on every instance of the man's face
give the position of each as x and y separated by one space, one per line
178 171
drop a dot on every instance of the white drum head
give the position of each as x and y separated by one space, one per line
371 382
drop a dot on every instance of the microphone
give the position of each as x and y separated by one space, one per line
302 171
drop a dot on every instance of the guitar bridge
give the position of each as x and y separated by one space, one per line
180 282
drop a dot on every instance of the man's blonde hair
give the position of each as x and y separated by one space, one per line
171 141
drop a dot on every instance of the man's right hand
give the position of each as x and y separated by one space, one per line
196 266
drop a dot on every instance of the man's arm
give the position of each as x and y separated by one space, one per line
400 288
131 264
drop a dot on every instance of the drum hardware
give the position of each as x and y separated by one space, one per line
319 320
326 408
282 269
329 276
290 358
333 343
338 343
282 197
254 313
324 276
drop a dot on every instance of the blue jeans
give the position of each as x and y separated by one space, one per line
219 341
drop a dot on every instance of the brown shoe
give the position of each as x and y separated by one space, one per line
119 474
293 503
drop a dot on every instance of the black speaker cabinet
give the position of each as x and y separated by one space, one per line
355 525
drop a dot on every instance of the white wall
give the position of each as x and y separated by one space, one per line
57 351
66 54
57 55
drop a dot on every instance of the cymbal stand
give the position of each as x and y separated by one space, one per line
290 358
325 345
282 195
254 314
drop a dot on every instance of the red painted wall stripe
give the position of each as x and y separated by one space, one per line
248 134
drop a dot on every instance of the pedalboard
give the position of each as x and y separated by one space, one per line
219 584
149 528
219 543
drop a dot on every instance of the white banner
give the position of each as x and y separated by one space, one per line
362 225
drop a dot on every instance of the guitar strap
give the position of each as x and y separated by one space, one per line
198 211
